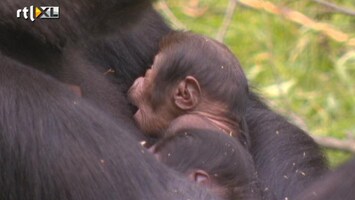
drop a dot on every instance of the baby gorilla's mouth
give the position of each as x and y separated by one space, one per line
133 108
137 116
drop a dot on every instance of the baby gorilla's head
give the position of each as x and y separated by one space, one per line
211 159
191 74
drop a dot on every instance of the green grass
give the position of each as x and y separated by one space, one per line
304 74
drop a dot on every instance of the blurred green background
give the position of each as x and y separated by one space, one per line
305 71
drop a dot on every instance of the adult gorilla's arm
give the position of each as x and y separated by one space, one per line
286 158
337 185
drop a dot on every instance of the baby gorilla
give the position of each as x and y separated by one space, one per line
211 159
194 82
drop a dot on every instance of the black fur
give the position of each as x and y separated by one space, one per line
95 32
286 158
90 38
337 185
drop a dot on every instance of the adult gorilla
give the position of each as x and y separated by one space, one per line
93 36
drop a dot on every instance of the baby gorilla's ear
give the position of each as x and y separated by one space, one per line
200 177
187 93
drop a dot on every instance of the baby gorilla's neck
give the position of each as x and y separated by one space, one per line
204 120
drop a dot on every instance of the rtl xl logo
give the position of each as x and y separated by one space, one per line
42 12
